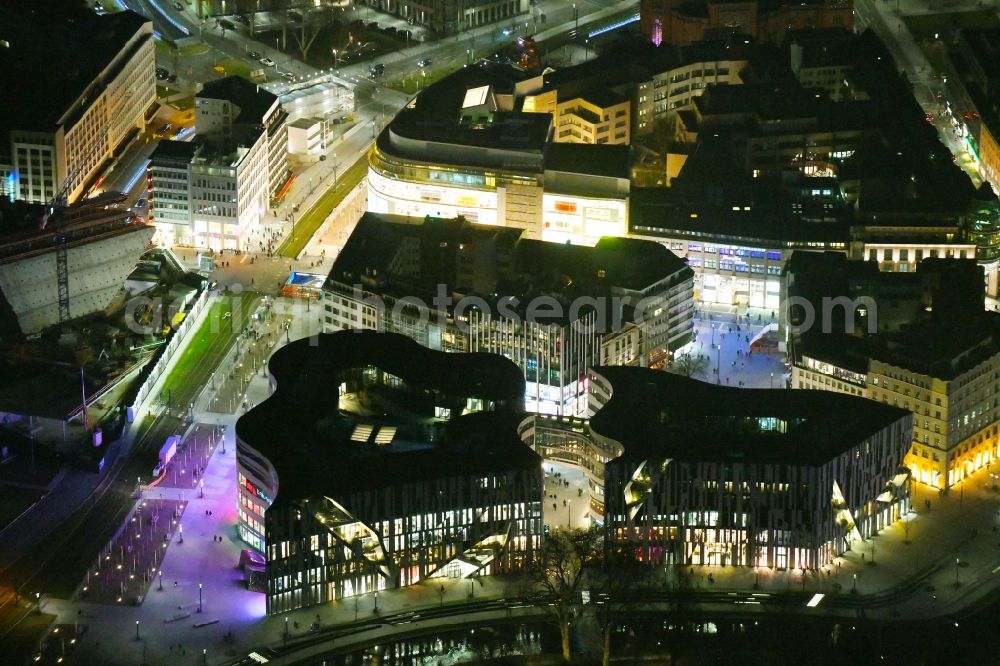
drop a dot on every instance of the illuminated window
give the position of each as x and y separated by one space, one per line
565 207
657 31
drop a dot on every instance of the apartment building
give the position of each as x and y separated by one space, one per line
69 110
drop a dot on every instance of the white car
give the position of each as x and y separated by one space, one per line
267 62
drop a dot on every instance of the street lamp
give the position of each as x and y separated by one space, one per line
854 589
772 380
376 601
957 562
180 529
576 18
335 64
161 579
137 630
199 597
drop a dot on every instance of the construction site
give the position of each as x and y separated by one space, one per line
86 307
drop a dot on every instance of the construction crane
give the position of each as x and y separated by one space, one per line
57 204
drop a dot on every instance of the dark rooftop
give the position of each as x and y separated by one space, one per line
607 160
431 248
54 58
253 100
654 413
170 149
307 438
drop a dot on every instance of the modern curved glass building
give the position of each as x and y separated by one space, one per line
377 463
716 475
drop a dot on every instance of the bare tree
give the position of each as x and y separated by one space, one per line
612 575
689 365
559 569
314 26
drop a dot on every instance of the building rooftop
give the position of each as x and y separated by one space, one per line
610 161
658 414
311 437
254 102
52 59
177 150
397 256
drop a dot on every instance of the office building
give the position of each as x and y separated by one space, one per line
555 309
714 475
233 104
75 94
413 470
215 193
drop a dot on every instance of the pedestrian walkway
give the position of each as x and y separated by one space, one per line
724 346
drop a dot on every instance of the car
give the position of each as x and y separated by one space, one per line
289 76
267 62
254 55
171 78
929 117
166 128
424 62
162 73
140 203
378 69
178 6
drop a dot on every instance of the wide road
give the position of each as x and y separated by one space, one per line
58 563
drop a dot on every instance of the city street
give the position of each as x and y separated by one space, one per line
931 86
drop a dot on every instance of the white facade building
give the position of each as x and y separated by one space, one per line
67 139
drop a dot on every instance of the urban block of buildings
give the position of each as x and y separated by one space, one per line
76 92
215 192
973 55
377 463
679 22
740 156
921 341
554 309
747 477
